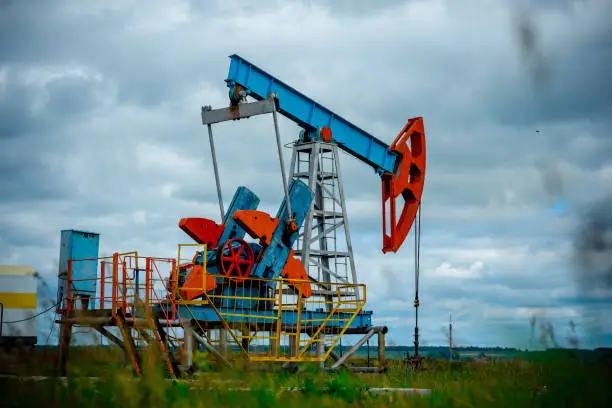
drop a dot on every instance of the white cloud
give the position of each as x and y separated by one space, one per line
159 17
445 270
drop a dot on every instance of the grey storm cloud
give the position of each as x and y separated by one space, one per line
100 130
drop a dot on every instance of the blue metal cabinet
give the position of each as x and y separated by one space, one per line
82 247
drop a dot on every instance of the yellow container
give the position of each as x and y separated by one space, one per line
18 305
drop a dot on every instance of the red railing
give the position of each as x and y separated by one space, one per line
127 289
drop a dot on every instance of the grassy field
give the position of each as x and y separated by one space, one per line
553 379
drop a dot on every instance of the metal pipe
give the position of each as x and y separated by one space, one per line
102 281
375 370
417 249
115 280
368 369
282 163
353 349
373 330
420 391
147 281
214 159
110 336
337 357
211 349
108 321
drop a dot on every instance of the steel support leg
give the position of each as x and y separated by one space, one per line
130 351
189 346
381 330
64 347
214 160
211 349
110 336
273 343
223 341
382 364
321 353
293 351
353 349
282 164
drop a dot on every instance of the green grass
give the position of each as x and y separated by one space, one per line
551 380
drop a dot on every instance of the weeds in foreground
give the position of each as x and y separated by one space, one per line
559 381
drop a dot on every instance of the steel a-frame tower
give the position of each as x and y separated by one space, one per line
324 244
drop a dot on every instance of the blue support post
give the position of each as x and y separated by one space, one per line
311 115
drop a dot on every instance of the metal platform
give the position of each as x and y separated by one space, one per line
263 320
359 323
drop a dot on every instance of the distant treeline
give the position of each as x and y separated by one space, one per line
436 348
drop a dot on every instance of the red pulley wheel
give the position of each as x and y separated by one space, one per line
236 257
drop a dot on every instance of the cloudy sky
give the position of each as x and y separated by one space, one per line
100 130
